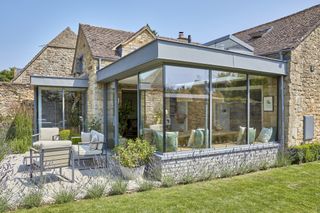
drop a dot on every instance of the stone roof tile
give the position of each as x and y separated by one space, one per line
281 34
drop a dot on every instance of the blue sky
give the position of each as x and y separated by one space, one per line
26 25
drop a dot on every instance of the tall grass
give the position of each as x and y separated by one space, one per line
19 136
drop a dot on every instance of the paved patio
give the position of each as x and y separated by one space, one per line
15 181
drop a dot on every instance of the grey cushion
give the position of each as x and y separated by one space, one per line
85 137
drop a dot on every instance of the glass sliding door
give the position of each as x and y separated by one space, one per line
51 108
151 107
186 108
62 108
128 106
229 109
263 108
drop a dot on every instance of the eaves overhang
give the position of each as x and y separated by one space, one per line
51 81
160 52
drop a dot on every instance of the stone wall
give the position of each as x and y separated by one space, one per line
217 162
91 65
140 40
302 89
51 61
12 97
95 90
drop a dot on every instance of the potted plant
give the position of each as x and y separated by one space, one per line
133 155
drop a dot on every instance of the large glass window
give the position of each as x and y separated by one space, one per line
186 110
263 108
151 107
51 108
229 109
62 108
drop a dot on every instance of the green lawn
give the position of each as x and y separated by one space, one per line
291 189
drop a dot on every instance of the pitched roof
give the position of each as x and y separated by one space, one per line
283 33
101 41
135 35
66 39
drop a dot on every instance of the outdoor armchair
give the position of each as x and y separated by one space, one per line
90 146
52 155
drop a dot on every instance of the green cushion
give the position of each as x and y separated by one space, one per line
265 135
252 135
199 138
171 141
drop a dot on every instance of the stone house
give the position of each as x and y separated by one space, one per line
217 101
295 38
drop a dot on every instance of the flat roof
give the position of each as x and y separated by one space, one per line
51 81
161 51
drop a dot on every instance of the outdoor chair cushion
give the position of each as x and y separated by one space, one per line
265 135
52 144
85 137
96 137
46 134
85 150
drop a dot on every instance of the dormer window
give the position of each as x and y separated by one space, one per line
119 51
79 65
260 33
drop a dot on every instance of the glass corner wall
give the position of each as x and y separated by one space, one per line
182 108
151 107
186 108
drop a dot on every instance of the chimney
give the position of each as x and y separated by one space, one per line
182 38
189 39
181 35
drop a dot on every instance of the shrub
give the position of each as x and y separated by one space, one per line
134 153
187 178
304 153
118 187
95 124
96 190
75 140
168 181
145 186
65 134
64 196
32 199
19 134
283 159
4 206
20 145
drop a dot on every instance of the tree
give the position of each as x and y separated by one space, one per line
7 75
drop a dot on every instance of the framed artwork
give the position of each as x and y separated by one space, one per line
268 104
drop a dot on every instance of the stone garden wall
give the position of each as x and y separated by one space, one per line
302 91
12 98
218 162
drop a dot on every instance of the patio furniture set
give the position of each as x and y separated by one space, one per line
49 152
